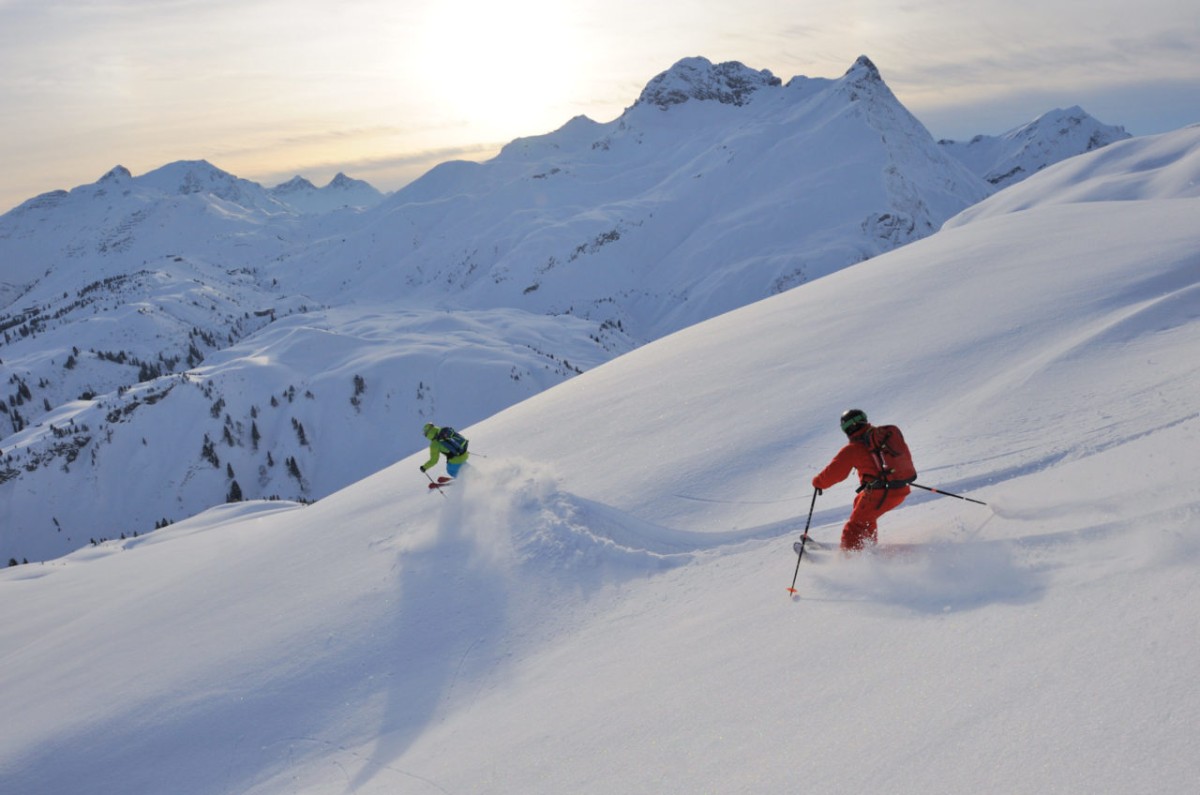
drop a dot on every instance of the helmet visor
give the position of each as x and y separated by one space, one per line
852 420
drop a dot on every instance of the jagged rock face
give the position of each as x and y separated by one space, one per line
730 83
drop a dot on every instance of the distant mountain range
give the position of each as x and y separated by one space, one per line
169 336
342 192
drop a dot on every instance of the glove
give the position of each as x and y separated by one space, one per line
422 467
819 491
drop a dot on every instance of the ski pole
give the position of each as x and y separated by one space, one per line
947 494
803 541
433 484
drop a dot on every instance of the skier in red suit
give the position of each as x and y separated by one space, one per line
884 467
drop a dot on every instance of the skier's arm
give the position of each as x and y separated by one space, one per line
435 453
837 471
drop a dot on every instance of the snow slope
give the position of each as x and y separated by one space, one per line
598 605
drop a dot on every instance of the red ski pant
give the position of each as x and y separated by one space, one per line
868 507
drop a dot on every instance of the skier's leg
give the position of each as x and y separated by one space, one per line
860 527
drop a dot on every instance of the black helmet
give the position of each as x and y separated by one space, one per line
853 420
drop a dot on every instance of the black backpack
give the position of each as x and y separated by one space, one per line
454 443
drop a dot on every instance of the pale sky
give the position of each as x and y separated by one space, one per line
385 89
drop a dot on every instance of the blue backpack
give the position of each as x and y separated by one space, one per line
453 442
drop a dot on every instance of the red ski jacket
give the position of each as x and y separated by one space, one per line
858 454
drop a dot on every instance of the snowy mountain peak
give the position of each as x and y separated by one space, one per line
342 191
1009 158
730 83
1071 125
862 81
117 174
201 178
293 185
864 70
342 182
190 176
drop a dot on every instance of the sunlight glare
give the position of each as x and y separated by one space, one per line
503 66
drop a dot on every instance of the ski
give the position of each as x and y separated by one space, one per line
810 545
440 482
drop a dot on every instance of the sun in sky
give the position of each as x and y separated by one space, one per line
421 83
386 89
501 66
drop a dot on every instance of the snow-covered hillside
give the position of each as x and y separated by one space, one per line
598 605
1006 159
160 325
295 410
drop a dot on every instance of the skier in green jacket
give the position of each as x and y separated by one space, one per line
449 442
